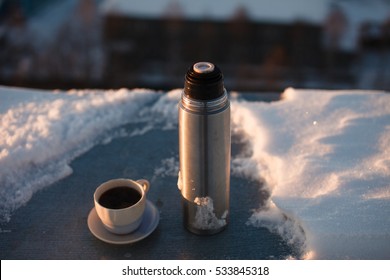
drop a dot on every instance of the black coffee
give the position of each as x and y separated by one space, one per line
119 197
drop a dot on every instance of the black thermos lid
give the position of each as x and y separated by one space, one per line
203 81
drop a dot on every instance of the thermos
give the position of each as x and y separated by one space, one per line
204 150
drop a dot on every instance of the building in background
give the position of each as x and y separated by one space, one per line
154 46
260 45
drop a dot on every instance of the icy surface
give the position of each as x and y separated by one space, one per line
323 156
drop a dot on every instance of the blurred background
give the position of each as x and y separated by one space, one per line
260 45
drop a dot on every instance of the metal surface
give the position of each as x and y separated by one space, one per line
204 150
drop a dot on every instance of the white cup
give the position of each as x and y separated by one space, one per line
120 204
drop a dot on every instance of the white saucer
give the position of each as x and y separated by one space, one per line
148 225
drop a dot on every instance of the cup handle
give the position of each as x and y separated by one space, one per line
145 184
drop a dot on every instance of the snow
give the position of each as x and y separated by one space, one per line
42 131
205 217
169 167
323 156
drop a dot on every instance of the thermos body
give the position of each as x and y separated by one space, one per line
204 151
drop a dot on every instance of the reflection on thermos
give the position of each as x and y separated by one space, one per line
204 150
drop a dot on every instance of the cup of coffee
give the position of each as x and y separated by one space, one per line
120 204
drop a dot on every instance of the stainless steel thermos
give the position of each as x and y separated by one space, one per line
204 150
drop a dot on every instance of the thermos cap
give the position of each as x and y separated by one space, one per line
203 67
203 81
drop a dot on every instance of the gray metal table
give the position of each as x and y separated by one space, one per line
53 224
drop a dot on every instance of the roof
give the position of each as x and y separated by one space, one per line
275 10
